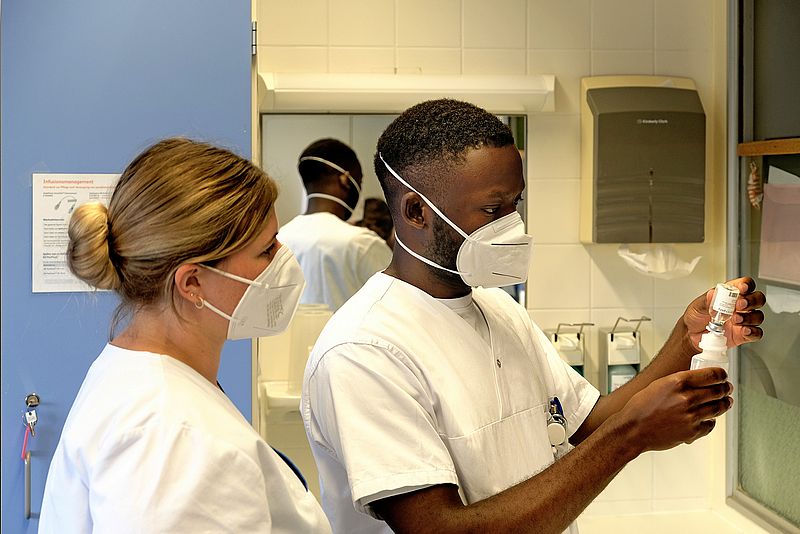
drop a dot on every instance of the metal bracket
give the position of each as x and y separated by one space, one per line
570 345
624 346
253 38
635 331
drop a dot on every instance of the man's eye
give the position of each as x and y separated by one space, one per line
269 250
516 202
492 210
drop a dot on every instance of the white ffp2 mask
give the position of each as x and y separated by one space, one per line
495 255
269 302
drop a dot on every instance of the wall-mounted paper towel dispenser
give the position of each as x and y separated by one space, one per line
642 160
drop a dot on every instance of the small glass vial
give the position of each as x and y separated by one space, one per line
723 306
714 353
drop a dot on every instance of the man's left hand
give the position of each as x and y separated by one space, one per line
742 327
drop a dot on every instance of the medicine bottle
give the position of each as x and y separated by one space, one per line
723 306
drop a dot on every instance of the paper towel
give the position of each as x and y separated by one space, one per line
658 261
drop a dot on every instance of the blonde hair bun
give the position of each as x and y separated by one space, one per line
88 252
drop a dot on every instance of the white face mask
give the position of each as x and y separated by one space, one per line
331 197
495 255
268 304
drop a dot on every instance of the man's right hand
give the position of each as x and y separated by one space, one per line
678 408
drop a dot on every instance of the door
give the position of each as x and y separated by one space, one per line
86 85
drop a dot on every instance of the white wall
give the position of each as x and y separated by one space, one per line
571 39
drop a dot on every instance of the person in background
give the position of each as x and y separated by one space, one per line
378 218
336 257
152 443
431 400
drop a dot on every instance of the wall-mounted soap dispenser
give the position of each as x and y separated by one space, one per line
569 339
642 160
620 354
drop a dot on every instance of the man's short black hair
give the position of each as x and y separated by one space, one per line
428 138
332 150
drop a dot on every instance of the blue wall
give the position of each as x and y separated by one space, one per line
87 84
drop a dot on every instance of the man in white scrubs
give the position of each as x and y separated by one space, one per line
434 404
337 258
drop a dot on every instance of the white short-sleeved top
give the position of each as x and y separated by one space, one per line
337 258
151 446
400 393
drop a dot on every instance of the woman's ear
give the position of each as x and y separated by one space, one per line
412 210
187 283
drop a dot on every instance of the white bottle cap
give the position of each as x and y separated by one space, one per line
712 342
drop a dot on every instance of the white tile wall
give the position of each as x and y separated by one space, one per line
614 284
361 22
553 212
559 24
554 146
292 23
664 321
683 24
293 58
613 62
683 472
570 281
634 483
495 24
559 277
427 23
622 24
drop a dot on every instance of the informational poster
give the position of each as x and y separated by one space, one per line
55 197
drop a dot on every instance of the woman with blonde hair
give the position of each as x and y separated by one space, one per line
152 444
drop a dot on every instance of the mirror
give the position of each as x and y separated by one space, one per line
283 138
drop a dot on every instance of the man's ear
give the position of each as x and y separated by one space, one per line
413 210
344 182
187 283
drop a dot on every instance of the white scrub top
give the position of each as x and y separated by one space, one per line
337 258
151 446
401 393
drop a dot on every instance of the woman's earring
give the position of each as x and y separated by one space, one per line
199 303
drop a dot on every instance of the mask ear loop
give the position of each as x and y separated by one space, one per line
332 198
423 259
330 164
436 210
262 285
206 304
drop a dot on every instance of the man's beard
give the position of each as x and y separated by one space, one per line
444 251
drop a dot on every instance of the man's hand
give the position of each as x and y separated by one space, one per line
678 408
743 327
